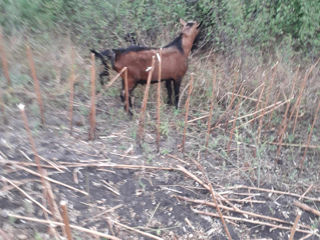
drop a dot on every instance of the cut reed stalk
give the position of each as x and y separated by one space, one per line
264 107
214 79
258 102
126 90
274 106
220 213
303 85
72 80
272 110
307 208
36 83
309 137
115 78
42 173
213 195
227 109
187 112
159 55
92 116
234 122
294 227
66 222
271 225
144 104
284 123
4 60
76 227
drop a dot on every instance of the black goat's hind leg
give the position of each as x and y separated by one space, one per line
176 92
169 90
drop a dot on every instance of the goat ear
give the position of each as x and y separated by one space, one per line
199 24
182 22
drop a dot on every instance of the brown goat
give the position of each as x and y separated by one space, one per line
137 59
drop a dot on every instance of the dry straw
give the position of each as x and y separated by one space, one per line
211 107
309 137
126 90
187 112
234 122
92 117
294 227
64 210
159 56
144 104
36 83
47 193
284 123
302 87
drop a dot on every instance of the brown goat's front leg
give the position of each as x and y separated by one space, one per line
176 91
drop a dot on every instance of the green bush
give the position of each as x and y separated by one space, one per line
228 24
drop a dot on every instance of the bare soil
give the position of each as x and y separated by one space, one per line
141 198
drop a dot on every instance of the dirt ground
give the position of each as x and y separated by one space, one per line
112 185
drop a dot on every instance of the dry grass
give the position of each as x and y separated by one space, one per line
241 96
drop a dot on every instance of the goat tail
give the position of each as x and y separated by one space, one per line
105 71
99 55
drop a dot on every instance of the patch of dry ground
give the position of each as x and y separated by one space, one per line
142 198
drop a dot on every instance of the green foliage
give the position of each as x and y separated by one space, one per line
228 25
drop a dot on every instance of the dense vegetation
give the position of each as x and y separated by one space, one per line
290 27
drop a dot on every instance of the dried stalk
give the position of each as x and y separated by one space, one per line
245 213
307 208
213 195
274 226
85 230
259 99
92 117
27 195
206 186
72 80
309 137
137 231
294 227
227 110
306 192
275 106
276 192
144 104
126 88
115 78
272 110
158 99
36 83
187 112
211 107
284 123
4 60
303 85
46 186
67 229
234 123
52 180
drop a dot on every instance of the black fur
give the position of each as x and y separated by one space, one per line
177 42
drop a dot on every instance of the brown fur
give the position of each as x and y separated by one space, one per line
174 61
